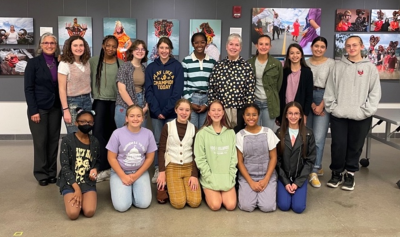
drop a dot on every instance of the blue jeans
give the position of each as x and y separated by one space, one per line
137 194
120 112
82 101
264 119
196 118
158 124
297 201
319 125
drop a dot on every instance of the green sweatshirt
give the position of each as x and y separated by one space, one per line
216 158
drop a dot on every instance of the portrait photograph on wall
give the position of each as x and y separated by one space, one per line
381 49
212 30
385 20
352 20
286 26
14 30
125 31
13 61
74 25
158 28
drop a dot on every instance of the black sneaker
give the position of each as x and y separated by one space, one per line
348 182
336 180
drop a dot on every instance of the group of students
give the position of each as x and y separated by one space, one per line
209 119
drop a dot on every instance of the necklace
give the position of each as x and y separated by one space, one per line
51 65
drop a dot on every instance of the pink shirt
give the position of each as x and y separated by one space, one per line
292 85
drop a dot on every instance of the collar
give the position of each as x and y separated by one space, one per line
194 58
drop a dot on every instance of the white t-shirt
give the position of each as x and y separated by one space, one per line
12 38
272 139
63 68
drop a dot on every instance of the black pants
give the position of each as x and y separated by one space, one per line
104 126
348 137
46 137
275 29
240 121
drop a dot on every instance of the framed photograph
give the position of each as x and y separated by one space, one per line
212 30
381 49
13 61
286 26
125 31
158 28
385 20
15 30
74 25
352 20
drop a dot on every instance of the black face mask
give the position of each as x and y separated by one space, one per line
85 128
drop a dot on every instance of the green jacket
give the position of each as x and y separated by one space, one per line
216 158
272 81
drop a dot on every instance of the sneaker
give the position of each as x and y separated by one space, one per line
155 177
103 176
336 180
320 172
348 183
314 181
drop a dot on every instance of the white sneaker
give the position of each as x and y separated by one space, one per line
155 177
103 175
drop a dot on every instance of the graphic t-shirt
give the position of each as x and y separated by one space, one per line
82 163
131 148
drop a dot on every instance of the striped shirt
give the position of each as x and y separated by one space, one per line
196 73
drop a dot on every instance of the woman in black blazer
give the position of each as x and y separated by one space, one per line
44 108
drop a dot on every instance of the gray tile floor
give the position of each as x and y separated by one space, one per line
372 209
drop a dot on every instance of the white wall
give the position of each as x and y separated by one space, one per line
13 118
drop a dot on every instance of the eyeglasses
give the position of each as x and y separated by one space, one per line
293 114
84 122
140 50
49 43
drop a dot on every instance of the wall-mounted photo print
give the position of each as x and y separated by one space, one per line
381 49
125 31
286 26
13 61
352 20
74 25
212 30
15 30
158 28
385 20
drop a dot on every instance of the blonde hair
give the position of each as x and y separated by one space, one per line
130 108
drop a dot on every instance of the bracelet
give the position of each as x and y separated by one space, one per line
65 108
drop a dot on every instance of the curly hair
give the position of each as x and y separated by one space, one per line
68 56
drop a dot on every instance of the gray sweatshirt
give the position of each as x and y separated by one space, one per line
354 90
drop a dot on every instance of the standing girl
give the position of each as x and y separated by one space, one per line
74 79
296 30
103 73
130 82
79 164
216 159
130 153
268 72
196 70
296 157
164 87
297 82
256 162
178 169
318 120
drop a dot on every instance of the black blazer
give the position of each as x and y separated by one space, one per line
304 94
40 92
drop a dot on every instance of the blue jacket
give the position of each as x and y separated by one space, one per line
163 87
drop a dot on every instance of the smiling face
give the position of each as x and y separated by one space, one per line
199 44
233 48
318 49
139 52
110 47
183 112
77 47
134 118
164 51
295 55
293 116
48 45
263 45
250 116
216 112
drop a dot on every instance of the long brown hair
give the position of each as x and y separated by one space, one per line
224 121
135 44
288 63
68 56
285 125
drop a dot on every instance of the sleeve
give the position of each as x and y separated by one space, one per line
186 91
63 68
121 74
66 166
162 147
282 96
272 139
374 94
309 161
150 98
195 170
152 143
113 143
201 156
234 160
280 78
251 82
29 86
212 84
239 141
309 83
279 167
330 92
96 143
177 92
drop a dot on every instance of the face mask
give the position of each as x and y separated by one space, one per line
85 128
